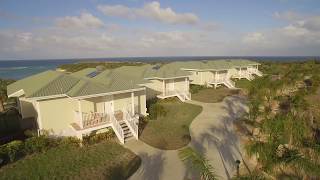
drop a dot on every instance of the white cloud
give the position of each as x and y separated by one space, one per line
151 11
287 15
85 20
255 37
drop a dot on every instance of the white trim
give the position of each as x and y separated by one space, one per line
109 93
48 97
176 77
17 93
88 96
39 115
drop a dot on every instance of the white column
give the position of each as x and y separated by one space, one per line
164 87
132 102
39 117
240 73
80 113
186 79
201 77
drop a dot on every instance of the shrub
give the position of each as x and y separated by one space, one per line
3 154
97 138
39 144
156 111
196 88
14 150
73 141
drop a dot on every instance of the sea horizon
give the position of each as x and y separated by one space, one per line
18 69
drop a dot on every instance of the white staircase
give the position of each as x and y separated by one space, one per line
229 83
183 96
126 131
249 77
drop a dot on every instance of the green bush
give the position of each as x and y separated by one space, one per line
195 88
156 111
14 150
39 144
70 141
97 138
3 154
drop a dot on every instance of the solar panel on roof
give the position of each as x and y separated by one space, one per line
93 74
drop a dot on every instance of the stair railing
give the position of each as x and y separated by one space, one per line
117 128
131 122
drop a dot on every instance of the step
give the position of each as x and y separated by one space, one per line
128 135
128 138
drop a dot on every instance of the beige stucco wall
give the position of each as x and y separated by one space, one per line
200 77
57 114
180 84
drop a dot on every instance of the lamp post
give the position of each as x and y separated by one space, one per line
238 166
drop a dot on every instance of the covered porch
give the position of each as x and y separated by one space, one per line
175 87
221 77
120 111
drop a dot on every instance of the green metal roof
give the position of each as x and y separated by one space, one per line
50 83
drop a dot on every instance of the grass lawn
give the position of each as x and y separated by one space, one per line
211 95
107 160
172 130
243 83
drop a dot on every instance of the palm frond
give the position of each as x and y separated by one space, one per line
198 162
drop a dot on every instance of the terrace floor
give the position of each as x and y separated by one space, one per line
211 133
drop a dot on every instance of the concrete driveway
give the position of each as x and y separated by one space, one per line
211 134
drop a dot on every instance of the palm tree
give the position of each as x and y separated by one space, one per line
197 162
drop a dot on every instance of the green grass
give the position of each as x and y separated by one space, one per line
243 83
172 130
211 95
107 160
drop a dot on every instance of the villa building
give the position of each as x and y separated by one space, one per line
90 100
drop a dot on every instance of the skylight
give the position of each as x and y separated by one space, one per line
93 74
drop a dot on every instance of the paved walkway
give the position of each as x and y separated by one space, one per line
211 134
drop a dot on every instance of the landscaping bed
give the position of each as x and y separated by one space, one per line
106 160
171 130
211 95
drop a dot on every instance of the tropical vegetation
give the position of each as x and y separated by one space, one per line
283 121
197 162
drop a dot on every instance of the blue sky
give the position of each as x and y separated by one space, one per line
95 28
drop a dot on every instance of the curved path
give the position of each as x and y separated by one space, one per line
211 134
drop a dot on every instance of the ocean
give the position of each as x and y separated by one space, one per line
18 69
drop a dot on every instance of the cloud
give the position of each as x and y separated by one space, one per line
151 11
85 20
255 37
287 15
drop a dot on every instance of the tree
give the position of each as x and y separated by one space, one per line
197 162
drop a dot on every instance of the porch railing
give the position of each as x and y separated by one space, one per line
255 71
92 119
